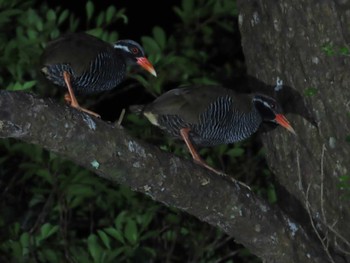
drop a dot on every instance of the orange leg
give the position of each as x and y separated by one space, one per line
71 99
185 136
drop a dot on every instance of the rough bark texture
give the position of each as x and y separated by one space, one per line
111 153
303 43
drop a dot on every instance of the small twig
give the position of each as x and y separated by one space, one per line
308 210
308 205
322 179
300 185
340 248
121 117
329 227
233 180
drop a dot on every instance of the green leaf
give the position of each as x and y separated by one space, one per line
159 36
235 152
150 45
328 49
16 248
89 10
118 222
170 235
37 199
52 231
24 240
51 255
6 15
97 32
105 239
100 19
187 6
94 248
39 25
47 230
309 92
271 194
45 174
15 230
121 15
116 234
73 23
145 219
63 16
130 231
345 179
111 10
80 190
51 15
29 84
344 51
184 231
179 12
113 255
16 86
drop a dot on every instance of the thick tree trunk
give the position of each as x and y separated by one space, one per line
306 44
111 153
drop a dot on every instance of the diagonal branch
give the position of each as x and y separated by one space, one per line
110 152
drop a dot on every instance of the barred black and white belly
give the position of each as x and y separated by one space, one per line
221 123
104 73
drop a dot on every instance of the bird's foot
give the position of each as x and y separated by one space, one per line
240 183
221 173
67 99
70 102
230 178
121 117
87 111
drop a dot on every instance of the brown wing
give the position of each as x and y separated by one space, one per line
190 102
77 49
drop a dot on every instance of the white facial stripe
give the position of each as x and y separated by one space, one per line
266 104
121 47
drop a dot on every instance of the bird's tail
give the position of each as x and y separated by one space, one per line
137 109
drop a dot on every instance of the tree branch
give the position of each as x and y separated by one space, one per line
110 152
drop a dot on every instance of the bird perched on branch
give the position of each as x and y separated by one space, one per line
211 115
85 64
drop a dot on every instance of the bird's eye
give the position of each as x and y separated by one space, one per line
272 105
134 50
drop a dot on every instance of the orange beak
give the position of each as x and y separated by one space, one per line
281 120
144 62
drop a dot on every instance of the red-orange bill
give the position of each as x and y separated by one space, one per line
144 62
281 120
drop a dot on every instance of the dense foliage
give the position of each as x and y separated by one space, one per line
55 211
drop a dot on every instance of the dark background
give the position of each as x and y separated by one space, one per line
142 15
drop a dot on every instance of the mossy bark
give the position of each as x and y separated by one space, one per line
306 44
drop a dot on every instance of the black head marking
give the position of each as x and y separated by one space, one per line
267 106
130 47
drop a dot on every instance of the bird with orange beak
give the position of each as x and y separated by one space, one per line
84 64
211 115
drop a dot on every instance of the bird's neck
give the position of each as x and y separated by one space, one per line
243 125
